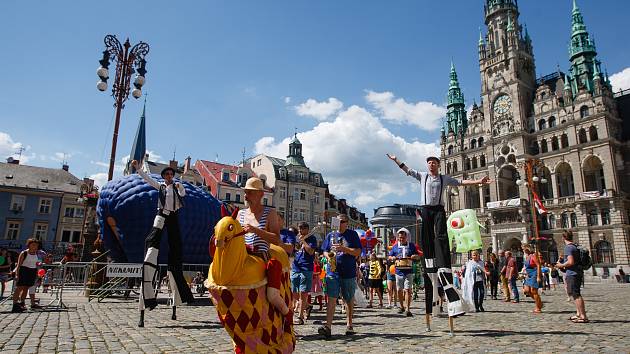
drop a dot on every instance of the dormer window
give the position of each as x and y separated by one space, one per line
226 176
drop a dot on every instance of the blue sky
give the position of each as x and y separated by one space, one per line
223 75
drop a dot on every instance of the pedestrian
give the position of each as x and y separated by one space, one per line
434 239
288 238
404 252
375 280
622 275
302 269
511 274
392 292
505 289
533 279
573 276
342 247
474 279
492 265
5 269
25 274
553 273
317 289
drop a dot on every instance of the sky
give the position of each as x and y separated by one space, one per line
354 78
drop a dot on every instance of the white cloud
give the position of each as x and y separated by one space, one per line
621 80
287 99
350 151
424 115
319 110
99 179
10 148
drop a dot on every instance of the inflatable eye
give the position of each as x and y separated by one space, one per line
230 227
457 223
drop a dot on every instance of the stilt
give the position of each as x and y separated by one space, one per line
174 316
451 325
427 318
141 322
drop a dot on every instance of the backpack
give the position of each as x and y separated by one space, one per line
585 260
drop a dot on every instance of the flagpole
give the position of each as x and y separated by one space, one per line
529 171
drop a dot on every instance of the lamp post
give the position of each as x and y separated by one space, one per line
533 168
126 59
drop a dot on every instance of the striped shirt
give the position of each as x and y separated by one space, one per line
251 239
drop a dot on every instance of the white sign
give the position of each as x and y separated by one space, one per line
335 223
124 270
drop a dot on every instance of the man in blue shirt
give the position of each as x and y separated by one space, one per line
346 247
404 277
302 268
573 276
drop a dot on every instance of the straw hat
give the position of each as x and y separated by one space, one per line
254 184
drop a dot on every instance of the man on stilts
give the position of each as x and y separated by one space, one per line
170 200
434 238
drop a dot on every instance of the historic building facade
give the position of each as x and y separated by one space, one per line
570 122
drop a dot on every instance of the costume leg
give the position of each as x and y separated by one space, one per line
149 267
443 263
427 243
179 287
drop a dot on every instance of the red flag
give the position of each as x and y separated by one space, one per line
539 204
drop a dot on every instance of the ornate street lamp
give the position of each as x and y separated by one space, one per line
125 59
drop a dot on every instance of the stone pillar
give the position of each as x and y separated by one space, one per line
554 187
481 203
621 245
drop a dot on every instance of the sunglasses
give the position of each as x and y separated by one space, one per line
344 221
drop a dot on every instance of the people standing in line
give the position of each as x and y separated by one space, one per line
434 238
375 280
404 250
302 269
25 274
345 245
5 269
574 275
492 266
511 273
474 282
505 288
533 279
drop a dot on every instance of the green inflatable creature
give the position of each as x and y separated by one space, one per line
463 227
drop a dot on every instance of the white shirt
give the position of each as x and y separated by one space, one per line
430 188
170 193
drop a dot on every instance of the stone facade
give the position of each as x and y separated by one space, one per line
570 122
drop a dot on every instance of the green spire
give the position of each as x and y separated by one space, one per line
510 25
295 153
456 111
582 54
481 41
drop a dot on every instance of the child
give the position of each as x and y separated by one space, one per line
375 280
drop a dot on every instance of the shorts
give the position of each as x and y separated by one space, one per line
404 281
345 287
4 277
375 283
301 282
391 277
27 276
574 283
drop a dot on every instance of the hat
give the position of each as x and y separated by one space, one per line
254 184
403 229
433 158
168 168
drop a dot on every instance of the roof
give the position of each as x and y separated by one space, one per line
157 167
550 80
42 178
215 169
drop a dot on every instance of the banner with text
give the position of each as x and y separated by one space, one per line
124 270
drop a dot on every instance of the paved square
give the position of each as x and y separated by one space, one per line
111 327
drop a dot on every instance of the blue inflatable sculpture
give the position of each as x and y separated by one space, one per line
126 209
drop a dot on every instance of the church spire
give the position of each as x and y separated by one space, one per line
295 152
582 53
456 110
139 147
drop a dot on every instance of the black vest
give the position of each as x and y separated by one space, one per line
162 195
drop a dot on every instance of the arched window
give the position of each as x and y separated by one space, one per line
564 141
482 160
573 220
543 146
542 124
480 142
603 252
554 143
564 220
450 149
594 175
564 180
454 166
582 136
448 168
584 112
473 144
592 133
552 221
535 149
474 162
551 122
467 164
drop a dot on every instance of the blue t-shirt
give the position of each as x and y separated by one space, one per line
398 253
303 261
346 263
572 250
288 237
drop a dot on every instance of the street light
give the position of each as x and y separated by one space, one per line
125 59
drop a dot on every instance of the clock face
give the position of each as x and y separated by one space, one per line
502 105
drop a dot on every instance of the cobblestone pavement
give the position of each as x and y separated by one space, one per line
504 327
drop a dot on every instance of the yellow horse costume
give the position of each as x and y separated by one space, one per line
237 283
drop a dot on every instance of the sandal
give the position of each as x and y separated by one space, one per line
300 321
573 318
536 311
581 320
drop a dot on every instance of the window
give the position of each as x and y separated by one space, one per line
302 215
542 124
482 160
584 112
228 196
226 176
296 193
17 202
40 230
283 192
259 162
448 168
317 179
551 122
238 198
473 144
574 220
301 175
302 194
467 164
592 133
564 141
450 149
454 166
283 173
480 142
593 218
72 212
281 212
605 214
554 143
565 220
603 252
316 198
253 164
552 221
582 136
45 204
543 146
265 201
70 236
13 230
474 162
